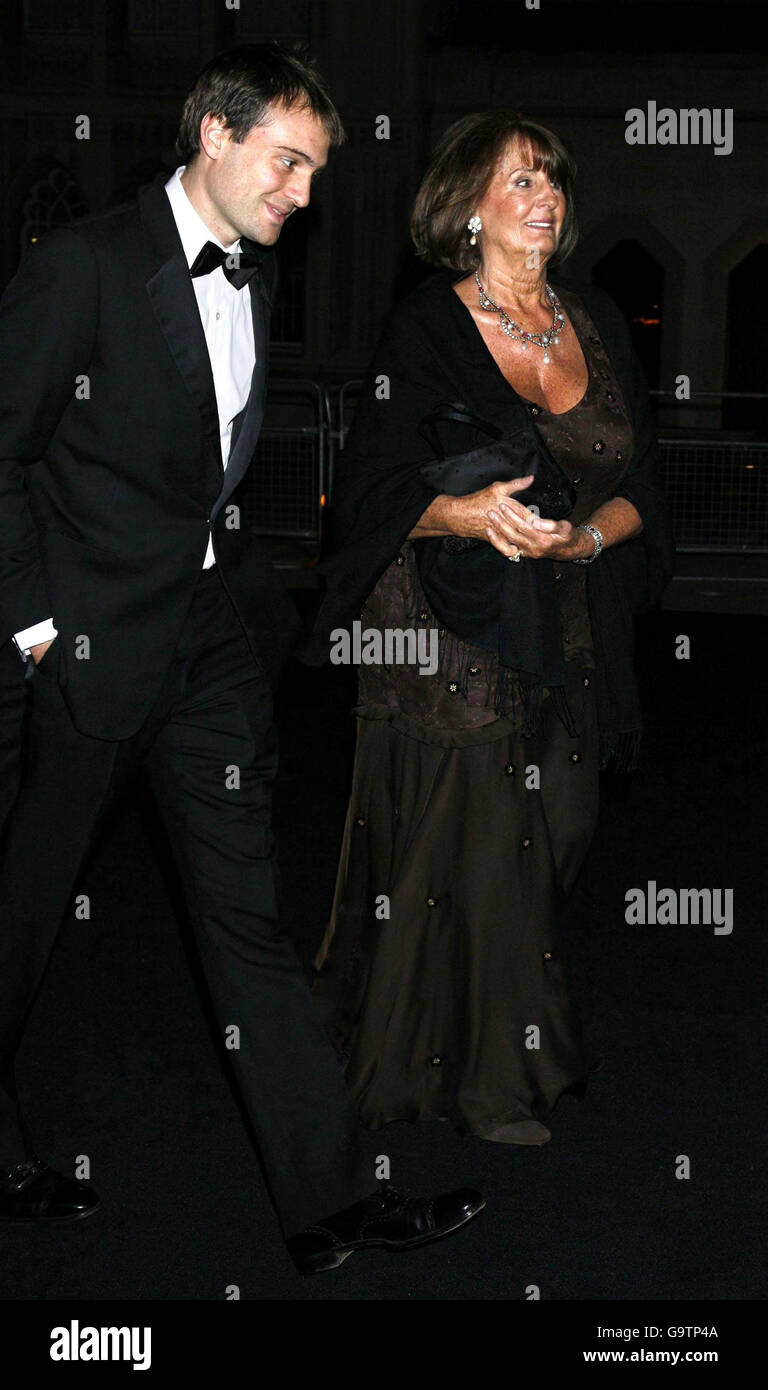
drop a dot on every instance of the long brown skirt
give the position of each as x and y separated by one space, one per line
440 977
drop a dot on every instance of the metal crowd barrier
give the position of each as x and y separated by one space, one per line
718 493
717 487
287 482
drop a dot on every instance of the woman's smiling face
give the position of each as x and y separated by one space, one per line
522 209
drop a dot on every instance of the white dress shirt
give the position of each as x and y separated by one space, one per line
228 326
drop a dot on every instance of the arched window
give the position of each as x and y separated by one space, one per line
635 281
50 202
747 342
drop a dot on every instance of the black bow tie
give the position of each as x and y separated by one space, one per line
242 264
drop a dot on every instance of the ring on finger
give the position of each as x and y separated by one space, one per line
518 555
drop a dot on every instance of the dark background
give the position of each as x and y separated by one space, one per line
676 233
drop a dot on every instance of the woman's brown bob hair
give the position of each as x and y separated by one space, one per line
462 166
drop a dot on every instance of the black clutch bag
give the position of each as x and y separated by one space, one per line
507 457
463 578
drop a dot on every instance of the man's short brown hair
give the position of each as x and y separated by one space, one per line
243 83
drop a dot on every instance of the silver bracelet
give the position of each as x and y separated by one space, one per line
597 538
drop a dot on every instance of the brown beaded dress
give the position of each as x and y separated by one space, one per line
440 977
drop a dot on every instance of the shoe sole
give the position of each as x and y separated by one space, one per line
331 1259
52 1220
518 1142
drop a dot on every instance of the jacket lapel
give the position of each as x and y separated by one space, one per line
173 302
247 425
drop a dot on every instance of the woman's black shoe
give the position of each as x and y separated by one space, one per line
33 1191
386 1218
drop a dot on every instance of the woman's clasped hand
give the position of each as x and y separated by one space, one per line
493 514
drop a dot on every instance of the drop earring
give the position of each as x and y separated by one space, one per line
474 226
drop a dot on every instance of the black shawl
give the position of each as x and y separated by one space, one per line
431 352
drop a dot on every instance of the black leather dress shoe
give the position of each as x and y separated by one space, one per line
386 1218
33 1191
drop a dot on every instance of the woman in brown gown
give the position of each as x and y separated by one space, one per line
440 976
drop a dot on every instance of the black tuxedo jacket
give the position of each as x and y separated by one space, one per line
111 474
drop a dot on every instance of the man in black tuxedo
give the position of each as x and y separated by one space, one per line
133 352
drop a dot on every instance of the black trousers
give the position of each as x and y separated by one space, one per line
12 709
209 751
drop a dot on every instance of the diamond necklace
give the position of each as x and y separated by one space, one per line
513 330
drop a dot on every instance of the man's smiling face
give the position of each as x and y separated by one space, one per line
249 189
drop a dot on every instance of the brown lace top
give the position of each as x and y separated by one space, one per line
592 442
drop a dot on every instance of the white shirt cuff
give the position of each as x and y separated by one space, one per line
30 636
